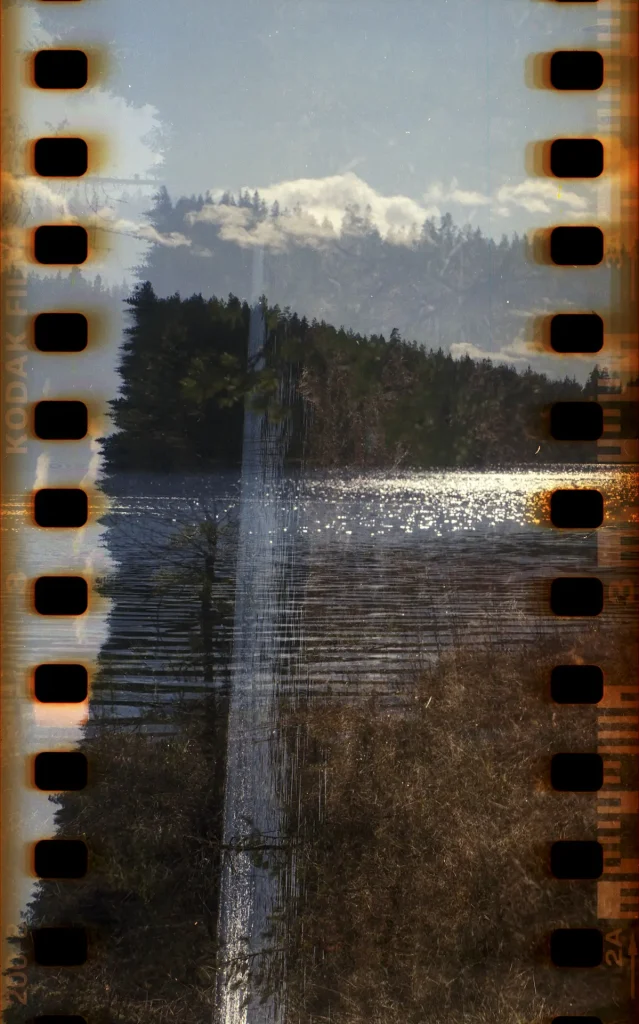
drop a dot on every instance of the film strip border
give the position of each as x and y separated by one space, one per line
59 158
612 771
617 551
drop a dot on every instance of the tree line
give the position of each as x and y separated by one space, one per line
347 400
449 284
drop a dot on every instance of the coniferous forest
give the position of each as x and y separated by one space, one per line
349 400
375 355
374 350
447 286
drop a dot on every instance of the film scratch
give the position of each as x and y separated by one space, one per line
319 545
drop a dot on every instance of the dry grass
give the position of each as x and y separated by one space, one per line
151 820
424 887
418 829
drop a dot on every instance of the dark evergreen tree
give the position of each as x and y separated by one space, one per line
349 400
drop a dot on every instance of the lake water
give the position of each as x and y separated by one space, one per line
371 571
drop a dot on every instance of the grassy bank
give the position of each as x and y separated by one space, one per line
414 850
152 819
423 832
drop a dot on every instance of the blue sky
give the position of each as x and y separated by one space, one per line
413 98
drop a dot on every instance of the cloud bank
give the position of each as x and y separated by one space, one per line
315 211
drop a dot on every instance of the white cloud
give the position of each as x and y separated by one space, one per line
34 201
507 354
236 225
438 193
518 350
537 195
330 197
121 226
316 210
465 197
29 199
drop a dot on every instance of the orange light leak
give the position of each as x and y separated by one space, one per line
618 550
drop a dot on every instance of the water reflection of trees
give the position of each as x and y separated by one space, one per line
171 623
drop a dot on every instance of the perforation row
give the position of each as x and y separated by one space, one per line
68 420
68 244
569 333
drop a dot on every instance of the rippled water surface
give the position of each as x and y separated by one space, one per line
371 571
